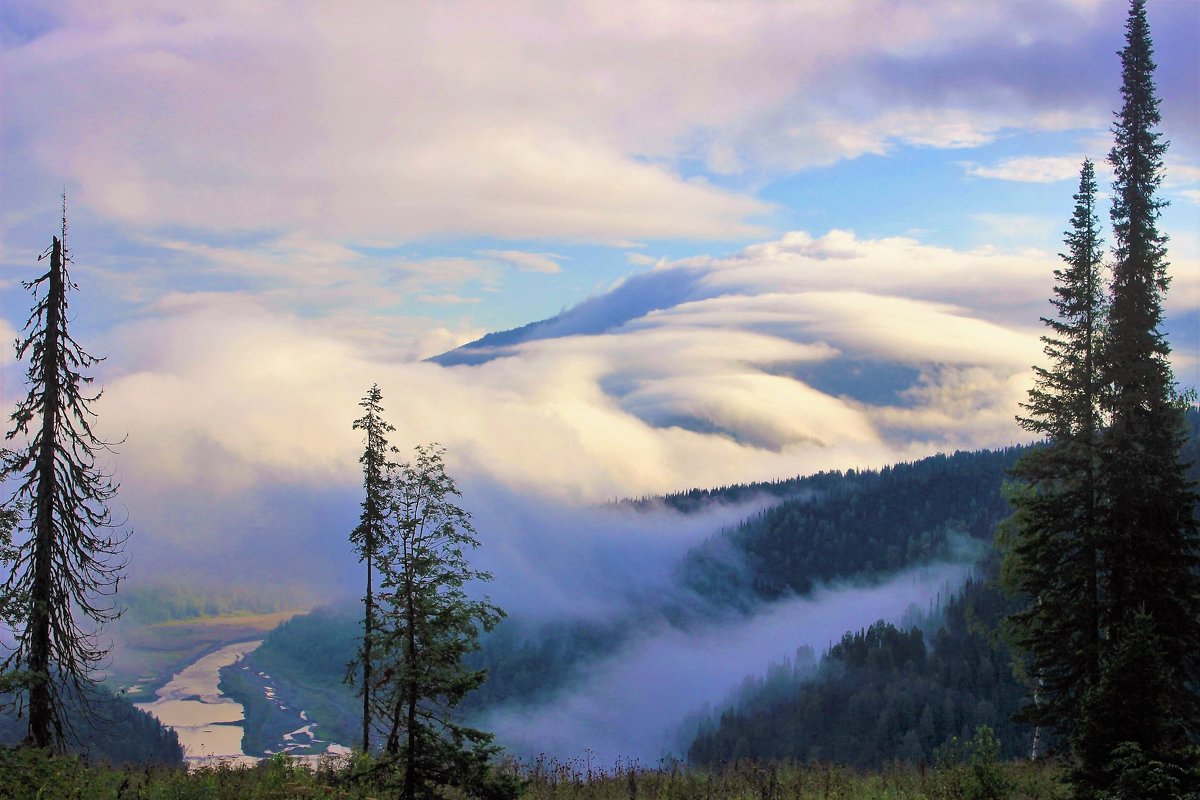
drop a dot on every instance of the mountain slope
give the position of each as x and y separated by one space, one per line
861 526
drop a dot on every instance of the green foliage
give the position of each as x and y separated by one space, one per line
972 769
33 775
860 525
1052 544
370 535
157 603
955 779
426 624
1134 776
1131 710
1105 544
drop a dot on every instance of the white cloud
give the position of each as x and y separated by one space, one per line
447 299
528 262
1032 169
1178 172
397 122
8 335
697 394
229 400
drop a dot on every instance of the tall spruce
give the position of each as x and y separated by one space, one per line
1151 551
66 560
1053 549
370 533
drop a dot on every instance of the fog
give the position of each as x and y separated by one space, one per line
630 705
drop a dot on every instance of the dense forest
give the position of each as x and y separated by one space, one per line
154 603
881 694
858 525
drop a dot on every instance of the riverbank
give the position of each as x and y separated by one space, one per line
149 655
271 725
208 723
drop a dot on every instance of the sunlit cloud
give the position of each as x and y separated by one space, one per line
221 393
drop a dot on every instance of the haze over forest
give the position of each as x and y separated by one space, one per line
756 245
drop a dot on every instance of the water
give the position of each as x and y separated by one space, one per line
209 724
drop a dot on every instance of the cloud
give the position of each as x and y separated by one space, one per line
694 390
1180 172
1032 169
8 335
528 262
392 124
785 358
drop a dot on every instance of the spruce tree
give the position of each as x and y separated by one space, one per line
370 534
66 561
1052 547
427 625
1150 546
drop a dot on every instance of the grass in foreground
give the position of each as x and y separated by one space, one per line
32 775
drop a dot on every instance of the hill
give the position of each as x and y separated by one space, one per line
858 527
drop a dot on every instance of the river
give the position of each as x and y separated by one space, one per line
209 724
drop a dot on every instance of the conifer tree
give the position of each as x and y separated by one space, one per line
1151 550
428 624
370 533
1053 542
67 562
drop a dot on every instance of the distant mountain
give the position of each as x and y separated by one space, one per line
632 299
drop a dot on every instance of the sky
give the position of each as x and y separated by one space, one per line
775 237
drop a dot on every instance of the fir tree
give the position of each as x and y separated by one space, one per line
370 534
1150 547
68 561
1052 543
1131 708
427 625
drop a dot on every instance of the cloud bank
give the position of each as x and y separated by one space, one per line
587 121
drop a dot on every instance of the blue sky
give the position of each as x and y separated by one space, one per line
273 205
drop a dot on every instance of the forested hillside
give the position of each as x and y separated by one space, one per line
119 732
881 694
860 526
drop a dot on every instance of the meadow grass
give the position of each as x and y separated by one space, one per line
32 775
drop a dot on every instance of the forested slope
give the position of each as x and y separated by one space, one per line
861 526
121 733
881 694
